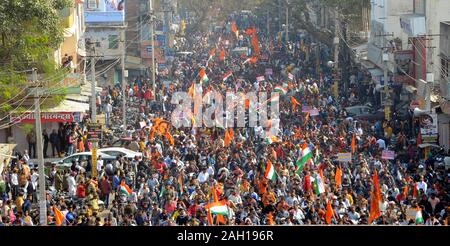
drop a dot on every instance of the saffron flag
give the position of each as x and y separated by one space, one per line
222 54
228 137
375 198
329 213
353 145
338 177
59 216
234 27
294 103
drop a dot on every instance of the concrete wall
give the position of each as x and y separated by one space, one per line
102 35
436 12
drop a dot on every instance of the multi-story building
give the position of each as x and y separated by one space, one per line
105 26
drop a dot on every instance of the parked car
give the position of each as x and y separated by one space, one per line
361 112
119 151
66 162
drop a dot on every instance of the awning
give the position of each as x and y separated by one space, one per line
69 106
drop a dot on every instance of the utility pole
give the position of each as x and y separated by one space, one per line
287 22
93 113
40 154
336 52
152 38
124 83
93 93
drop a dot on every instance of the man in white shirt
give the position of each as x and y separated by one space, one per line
381 143
422 185
203 176
235 198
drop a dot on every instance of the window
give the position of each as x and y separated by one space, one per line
113 41
444 66
92 4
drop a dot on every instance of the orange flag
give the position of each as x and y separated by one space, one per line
169 138
353 145
59 216
255 44
294 103
222 54
375 198
405 191
234 27
338 177
220 218
228 137
329 213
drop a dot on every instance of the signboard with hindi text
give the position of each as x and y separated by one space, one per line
94 131
344 157
388 155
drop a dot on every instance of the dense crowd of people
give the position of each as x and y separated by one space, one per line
180 176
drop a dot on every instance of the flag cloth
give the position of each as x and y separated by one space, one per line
227 75
169 138
419 217
212 53
220 218
405 192
294 103
306 156
222 54
180 183
270 171
218 207
234 27
375 198
353 145
253 60
320 187
59 216
416 191
255 43
125 189
203 77
329 213
280 89
338 177
291 76
228 137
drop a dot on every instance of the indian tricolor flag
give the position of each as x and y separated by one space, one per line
280 89
320 187
203 77
291 76
306 156
270 171
219 207
125 189
227 75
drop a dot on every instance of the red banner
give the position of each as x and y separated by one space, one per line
29 117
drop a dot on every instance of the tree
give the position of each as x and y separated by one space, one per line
30 31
